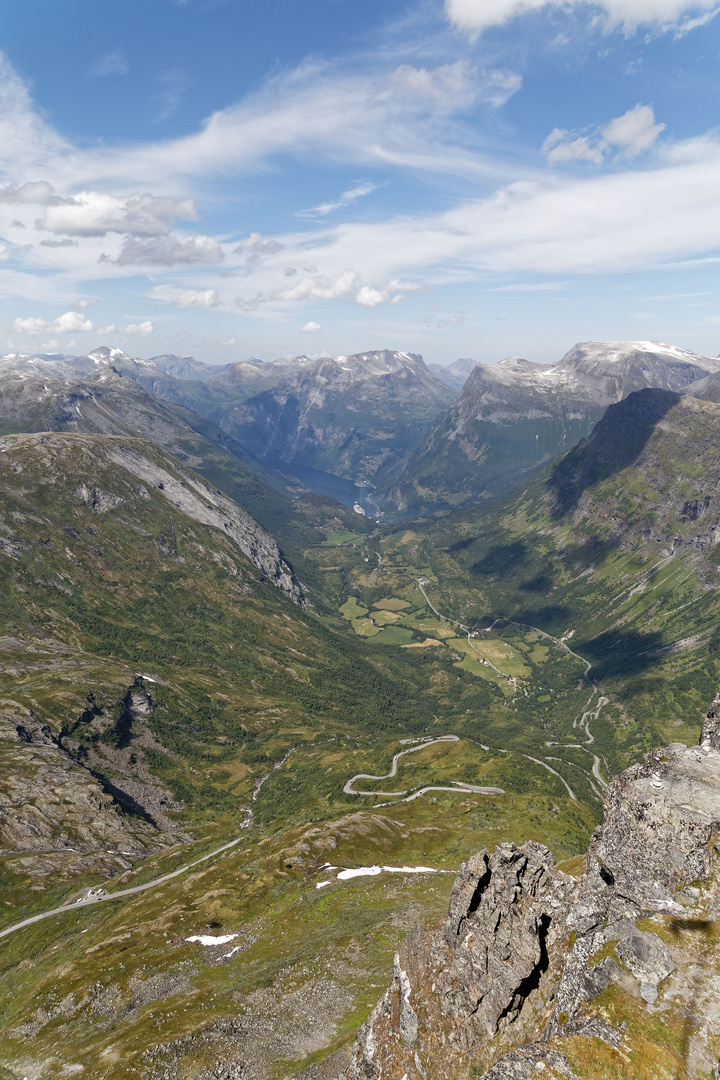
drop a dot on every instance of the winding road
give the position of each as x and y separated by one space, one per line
466 629
99 896
589 712
460 785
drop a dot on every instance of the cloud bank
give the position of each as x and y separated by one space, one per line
472 17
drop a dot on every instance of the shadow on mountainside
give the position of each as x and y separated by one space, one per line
501 559
615 443
615 654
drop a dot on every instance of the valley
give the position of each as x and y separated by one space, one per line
209 673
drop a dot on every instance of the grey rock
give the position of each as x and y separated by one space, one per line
600 976
185 491
201 502
490 968
710 735
648 992
644 953
408 1016
522 1064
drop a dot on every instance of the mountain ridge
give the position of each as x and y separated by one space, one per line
513 416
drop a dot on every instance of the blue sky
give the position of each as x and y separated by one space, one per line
469 178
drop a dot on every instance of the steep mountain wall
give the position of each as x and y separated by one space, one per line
350 415
514 416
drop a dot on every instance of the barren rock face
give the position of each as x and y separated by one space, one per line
660 818
55 817
491 968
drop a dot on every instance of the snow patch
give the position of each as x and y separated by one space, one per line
227 955
373 871
208 939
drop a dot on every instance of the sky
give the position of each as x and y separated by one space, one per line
456 178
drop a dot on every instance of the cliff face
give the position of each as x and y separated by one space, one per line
350 415
535 973
489 971
647 474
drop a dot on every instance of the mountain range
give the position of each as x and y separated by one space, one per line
388 423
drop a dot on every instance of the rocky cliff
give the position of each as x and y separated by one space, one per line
536 973
648 475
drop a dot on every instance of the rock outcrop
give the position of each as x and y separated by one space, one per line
535 973
56 818
492 968
201 502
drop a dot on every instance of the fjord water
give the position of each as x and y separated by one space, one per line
345 491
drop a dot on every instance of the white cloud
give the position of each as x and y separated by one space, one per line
255 244
31 325
59 243
93 213
319 110
72 322
230 341
38 192
616 222
202 298
630 134
310 327
397 117
402 286
256 248
143 329
320 287
6 252
111 64
172 87
551 223
345 199
369 297
474 16
634 131
559 149
444 88
171 250
85 303
49 346
246 303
